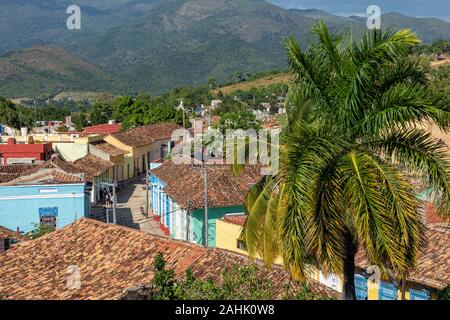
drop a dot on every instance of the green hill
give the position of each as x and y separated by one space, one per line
49 70
156 45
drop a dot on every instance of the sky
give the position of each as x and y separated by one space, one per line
416 8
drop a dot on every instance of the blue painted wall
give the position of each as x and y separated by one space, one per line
19 205
198 223
162 205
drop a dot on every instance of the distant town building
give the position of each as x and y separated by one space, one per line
215 103
104 129
149 143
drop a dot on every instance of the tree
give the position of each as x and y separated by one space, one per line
228 105
8 113
243 120
100 112
163 279
444 294
212 83
350 141
63 128
238 283
440 46
39 231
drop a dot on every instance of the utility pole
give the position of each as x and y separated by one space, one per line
146 186
114 200
206 205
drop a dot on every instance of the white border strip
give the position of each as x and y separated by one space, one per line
53 196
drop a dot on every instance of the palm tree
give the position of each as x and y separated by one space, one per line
351 142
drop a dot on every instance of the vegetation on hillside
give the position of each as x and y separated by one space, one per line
45 71
163 44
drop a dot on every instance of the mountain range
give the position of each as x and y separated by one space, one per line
126 46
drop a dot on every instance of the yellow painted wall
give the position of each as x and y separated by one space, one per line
40 138
88 139
373 291
71 151
227 235
128 159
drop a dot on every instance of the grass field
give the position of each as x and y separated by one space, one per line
439 63
258 83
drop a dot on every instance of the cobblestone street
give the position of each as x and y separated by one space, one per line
131 197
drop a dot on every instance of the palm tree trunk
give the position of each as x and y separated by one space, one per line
349 292
403 288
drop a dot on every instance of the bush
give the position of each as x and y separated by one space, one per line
444 294
238 283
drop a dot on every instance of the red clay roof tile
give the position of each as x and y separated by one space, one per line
145 135
112 259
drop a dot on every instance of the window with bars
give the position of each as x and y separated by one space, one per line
48 222
241 245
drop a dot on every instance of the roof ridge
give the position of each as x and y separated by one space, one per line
132 230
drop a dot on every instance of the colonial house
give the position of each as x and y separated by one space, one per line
122 261
110 153
76 149
431 275
143 144
177 197
96 172
51 194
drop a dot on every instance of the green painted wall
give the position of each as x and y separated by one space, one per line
198 224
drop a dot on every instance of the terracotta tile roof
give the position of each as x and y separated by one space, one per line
46 177
433 266
55 163
11 172
105 128
237 219
7 233
112 259
53 171
144 135
108 148
185 184
431 217
92 166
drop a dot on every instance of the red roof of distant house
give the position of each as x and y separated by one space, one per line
105 128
